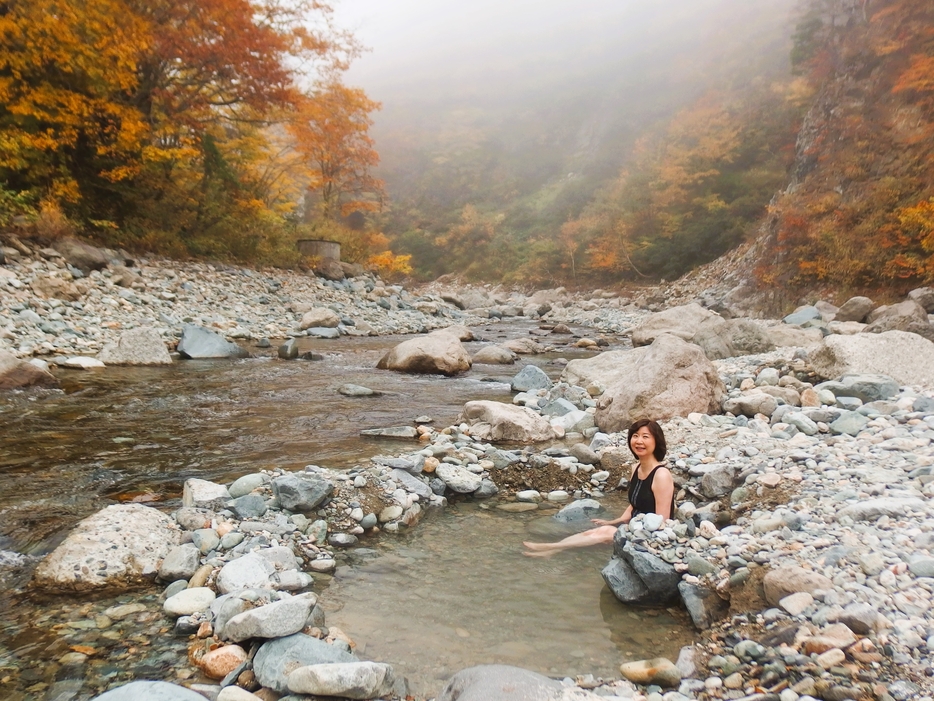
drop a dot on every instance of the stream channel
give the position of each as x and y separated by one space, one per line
452 592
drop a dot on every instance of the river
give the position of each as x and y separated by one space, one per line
453 592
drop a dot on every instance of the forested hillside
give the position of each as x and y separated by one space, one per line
858 213
187 127
825 139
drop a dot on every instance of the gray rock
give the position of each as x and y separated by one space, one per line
703 605
659 577
802 422
150 691
288 350
867 388
854 309
248 572
584 454
140 346
721 338
189 601
246 484
249 506
280 557
871 509
202 494
922 567
391 432
352 390
849 423
199 342
411 483
558 407
802 315
351 680
180 563
342 540
718 481
908 316
530 377
276 659
862 619
276 620
205 539
925 297
624 582
320 317
499 683
458 479
323 332
751 404
580 511
192 518
301 492
291 580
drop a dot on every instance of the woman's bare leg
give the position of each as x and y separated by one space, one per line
595 536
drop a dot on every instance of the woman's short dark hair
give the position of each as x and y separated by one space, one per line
660 446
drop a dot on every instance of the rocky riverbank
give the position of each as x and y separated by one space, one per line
804 466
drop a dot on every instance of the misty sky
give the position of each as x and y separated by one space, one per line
440 44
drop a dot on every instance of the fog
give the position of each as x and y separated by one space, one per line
524 109
432 50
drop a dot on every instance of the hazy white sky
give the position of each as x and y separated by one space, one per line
445 42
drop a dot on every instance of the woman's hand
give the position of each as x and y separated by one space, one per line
602 522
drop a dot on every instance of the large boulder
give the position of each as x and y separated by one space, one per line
320 317
82 256
277 659
905 357
904 316
275 620
16 373
56 286
854 309
119 547
682 322
142 346
722 338
605 369
499 683
925 297
441 353
199 342
494 355
669 378
495 421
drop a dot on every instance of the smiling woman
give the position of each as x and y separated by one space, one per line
651 490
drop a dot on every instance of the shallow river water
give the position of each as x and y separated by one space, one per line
453 592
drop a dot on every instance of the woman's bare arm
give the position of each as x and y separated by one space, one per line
663 488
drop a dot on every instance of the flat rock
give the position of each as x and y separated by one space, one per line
659 670
905 357
276 620
189 601
351 680
458 479
248 572
150 691
499 683
683 322
119 547
784 581
17 374
301 492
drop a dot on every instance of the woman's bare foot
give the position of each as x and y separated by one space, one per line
540 553
529 545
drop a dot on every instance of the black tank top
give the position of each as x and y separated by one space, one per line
641 495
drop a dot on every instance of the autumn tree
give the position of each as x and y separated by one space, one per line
331 132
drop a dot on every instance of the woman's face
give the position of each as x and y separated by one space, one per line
642 443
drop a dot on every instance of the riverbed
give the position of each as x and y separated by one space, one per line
452 592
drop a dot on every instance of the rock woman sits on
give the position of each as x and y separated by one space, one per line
651 490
